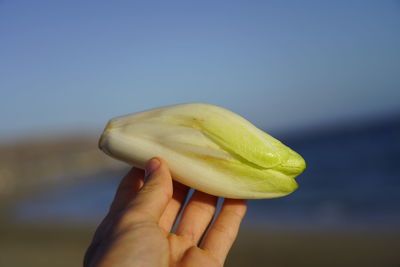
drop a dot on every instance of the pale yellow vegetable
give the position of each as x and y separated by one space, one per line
208 148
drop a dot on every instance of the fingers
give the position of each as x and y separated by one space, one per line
174 206
151 200
197 216
223 232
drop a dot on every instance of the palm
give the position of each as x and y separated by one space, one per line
132 232
184 252
183 245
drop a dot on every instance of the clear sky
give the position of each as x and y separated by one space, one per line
67 65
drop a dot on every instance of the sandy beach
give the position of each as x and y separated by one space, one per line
64 246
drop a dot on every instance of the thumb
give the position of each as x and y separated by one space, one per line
153 197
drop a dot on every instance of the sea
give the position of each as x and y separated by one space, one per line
352 181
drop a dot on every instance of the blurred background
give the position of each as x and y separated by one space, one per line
321 76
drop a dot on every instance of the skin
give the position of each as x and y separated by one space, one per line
137 229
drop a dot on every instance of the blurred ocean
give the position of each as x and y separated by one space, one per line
352 181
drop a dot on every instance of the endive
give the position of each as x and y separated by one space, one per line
208 148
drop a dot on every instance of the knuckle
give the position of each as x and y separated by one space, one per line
237 215
208 209
225 231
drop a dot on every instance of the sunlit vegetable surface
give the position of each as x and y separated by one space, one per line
208 148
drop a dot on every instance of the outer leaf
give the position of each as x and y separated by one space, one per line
208 148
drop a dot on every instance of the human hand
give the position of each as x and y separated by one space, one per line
137 229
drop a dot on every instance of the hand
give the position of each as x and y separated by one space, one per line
136 231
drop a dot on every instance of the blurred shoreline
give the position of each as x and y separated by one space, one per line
46 160
37 165
346 165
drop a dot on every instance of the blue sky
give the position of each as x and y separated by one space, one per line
72 65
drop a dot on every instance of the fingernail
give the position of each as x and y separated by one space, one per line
151 166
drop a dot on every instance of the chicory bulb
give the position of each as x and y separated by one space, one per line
208 148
